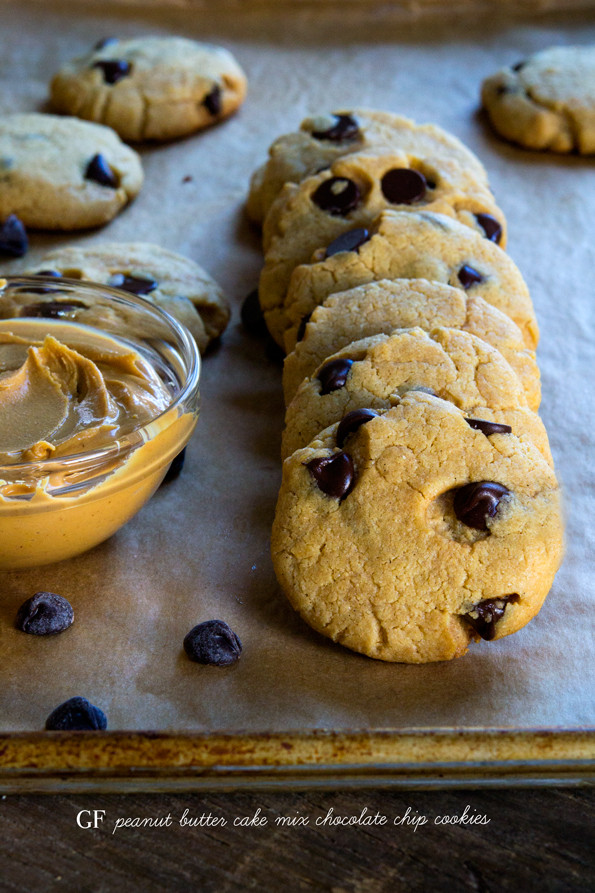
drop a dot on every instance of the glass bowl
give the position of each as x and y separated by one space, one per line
55 508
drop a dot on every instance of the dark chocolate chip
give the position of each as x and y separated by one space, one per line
99 170
51 309
252 316
344 129
403 186
484 616
105 42
489 427
333 375
76 715
491 227
213 643
44 614
349 241
337 195
518 65
334 475
212 100
13 237
474 503
136 285
175 468
113 69
302 326
187 179
468 276
352 421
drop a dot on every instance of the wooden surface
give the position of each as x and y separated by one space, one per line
538 839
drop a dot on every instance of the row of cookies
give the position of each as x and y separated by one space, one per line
415 461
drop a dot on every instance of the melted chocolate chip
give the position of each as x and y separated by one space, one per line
403 186
136 285
213 100
76 715
337 195
113 69
105 42
474 503
99 170
13 237
468 276
352 421
489 427
51 309
302 326
334 475
349 241
484 616
491 227
213 643
44 614
343 130
252 316
175 468
333 375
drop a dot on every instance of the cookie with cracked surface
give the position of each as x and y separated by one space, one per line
380 307
323 138
376 372
411 535
547 101
336 207
64 174
414 245
150 88
172 282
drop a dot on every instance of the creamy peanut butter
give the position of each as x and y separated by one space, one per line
65 390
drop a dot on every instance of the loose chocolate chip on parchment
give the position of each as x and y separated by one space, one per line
344 129
349 241
334 475
136 285
403 186
468 276
252 316
351 421
337 195
113 69
44 614
491 227
484 616
213 100
214 643
489 427
51 309
76 715
333 375
99 170
474 503
175 468
13 237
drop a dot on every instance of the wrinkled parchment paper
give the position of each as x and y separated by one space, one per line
200 548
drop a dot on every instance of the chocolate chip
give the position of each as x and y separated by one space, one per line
113 69
337 195
349 241
474 503
44 614
518 66
187 179
334 475
468 276
76 715
403 186
333 375
51 309
99 170
491 227
302 326
212 100
252 315
489 427
484 616
136 285
213 643
175 468
105 42
352 421
13 237
344 129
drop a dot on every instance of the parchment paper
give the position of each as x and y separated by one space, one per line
200 548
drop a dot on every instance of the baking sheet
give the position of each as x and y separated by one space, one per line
199 549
